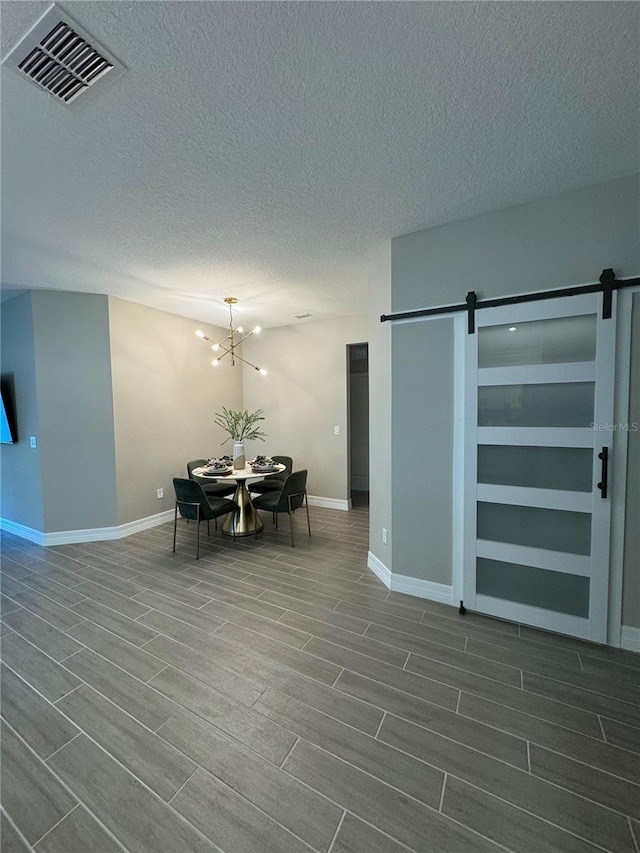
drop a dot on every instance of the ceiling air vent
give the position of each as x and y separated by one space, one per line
61 58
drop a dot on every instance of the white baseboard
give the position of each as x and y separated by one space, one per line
22 531
410 586
101 534
94 534
328 503
422 589
379 569
630 638
144 523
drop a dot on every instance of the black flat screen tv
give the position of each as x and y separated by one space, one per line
8 426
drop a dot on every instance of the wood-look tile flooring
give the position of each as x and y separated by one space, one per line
266 699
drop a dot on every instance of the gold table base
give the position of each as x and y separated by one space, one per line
247 520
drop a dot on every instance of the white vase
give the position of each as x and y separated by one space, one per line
239 459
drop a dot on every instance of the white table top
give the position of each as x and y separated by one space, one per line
246 473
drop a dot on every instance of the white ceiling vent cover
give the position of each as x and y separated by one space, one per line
61 58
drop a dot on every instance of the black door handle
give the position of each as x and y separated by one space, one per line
604 474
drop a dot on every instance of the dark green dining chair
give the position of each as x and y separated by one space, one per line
291 497
195 505
274 482
211 488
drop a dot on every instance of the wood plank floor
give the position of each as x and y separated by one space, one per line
265 699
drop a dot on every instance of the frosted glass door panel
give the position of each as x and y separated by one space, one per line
565 468
556 341
569 404
555 591
550 529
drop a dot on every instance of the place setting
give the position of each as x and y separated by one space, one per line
217 467
264 465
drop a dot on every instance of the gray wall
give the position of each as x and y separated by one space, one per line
165 394
558 241
304 396
21 483
379 287
422 440
73 379
57 346
563 240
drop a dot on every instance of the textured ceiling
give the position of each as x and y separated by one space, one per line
258 149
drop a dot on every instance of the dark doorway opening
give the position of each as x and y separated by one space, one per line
358 360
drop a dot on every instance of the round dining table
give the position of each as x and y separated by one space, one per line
247 520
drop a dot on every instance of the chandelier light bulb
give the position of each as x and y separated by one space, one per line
263 371
240 330
256 330
215 362
215 347
200 333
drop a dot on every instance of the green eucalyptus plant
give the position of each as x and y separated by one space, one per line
240 426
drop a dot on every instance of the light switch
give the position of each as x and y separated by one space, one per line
336 430
33 441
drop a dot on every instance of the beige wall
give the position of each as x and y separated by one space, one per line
304 396
165 394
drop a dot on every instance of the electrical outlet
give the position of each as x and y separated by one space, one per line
160 493
336 430
384 535
33 441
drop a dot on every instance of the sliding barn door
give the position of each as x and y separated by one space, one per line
539 399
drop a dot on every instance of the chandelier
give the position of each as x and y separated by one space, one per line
230 343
